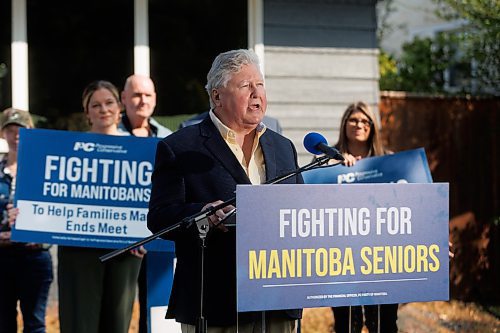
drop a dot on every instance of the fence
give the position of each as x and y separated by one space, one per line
461 137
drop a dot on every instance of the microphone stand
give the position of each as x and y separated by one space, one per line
188 221
201 220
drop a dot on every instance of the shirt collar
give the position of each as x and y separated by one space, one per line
128 126
228 134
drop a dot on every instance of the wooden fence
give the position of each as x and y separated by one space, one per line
461 137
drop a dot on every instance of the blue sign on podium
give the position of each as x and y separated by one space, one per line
351 244
408 166
336 245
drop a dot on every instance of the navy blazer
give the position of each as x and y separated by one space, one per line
194 166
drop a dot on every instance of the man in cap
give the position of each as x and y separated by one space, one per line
26 267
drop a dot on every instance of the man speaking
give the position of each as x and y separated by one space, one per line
198 167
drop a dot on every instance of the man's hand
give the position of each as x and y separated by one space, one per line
215 219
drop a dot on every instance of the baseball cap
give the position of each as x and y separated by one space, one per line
17 117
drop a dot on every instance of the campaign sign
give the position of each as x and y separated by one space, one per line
160 274
84 189
405 167
334 245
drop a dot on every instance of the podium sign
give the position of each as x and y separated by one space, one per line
333 245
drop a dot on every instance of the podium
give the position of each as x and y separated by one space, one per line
301 246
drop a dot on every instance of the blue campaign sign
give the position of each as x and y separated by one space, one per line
405 167
84 189
160 273
334 245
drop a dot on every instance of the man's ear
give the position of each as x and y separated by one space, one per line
215 97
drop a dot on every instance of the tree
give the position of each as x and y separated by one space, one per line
420 67
480 36
465 60
389 78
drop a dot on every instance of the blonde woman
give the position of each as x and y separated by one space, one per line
96 297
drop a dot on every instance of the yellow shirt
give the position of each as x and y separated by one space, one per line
256 170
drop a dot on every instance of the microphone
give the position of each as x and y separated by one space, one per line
316 144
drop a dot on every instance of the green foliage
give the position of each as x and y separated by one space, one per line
419 69
389 78
480 36
424 62
416 67
470 54
173 122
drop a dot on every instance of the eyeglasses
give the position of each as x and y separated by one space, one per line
355 122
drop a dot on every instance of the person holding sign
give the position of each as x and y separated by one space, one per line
359 138
96 297
26 268
199 166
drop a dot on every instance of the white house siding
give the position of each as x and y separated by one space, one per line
320 56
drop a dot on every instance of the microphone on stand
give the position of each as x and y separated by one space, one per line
316 144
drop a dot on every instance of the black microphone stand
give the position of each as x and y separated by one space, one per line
201 220
188 221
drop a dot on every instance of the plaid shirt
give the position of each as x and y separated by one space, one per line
6 193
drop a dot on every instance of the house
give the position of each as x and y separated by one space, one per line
408 19
401 21
318 55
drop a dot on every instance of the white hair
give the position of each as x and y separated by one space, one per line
225 65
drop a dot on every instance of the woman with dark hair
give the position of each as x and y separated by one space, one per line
359 138
93 296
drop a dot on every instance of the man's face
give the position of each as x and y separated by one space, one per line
241 105
139 98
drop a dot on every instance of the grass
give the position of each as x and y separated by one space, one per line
426 317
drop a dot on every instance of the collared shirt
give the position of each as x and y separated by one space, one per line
256 169
157 130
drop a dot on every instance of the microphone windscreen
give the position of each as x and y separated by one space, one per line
312 140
